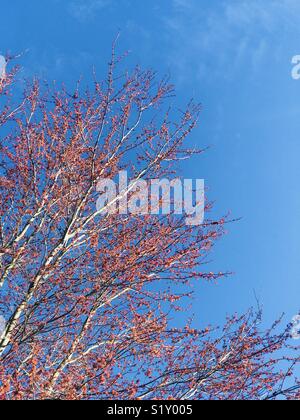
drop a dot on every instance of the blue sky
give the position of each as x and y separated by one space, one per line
235 57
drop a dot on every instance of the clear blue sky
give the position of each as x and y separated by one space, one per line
233 56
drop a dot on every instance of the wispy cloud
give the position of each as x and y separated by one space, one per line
220 37
85 10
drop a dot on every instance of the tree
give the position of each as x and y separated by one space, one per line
87 295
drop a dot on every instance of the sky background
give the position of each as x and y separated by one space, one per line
234 57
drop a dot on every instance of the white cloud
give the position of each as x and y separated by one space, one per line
218 37
84 10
